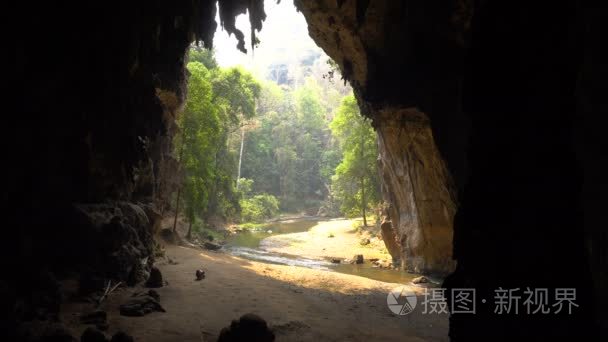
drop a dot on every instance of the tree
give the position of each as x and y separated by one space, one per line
219 102
355 182
200 128
203 56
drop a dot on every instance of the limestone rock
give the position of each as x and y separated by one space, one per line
95 317
93 335
141 304
155 279
358 259
417 188
249 327
416 184
211 246
121 337
420 280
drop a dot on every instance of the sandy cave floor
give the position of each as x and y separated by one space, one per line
301 304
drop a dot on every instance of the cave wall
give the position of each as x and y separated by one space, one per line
94 90
417 191
383 51
509 90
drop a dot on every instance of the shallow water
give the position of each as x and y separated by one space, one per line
250 245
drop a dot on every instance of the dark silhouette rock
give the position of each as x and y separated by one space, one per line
200 274
358 259
102 326
169 236
121 337
249 327
156 278
154 294
46 331
211 246
142 304
95 317
93 335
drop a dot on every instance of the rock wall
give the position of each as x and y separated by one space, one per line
416 188
511 91
389 82
94 91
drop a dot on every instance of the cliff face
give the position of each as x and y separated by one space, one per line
95 90
378 49
507 91
416 188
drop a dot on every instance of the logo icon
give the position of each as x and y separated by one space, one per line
401 301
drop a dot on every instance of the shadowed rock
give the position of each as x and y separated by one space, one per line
249 327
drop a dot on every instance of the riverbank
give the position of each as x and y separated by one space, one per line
332 239
301 304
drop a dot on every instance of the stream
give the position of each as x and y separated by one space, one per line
253 245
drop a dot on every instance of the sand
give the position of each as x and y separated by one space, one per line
301 304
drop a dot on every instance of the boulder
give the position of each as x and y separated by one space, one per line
121 337
382 264
249 327
211 246
169 236
420 280
142 304
93 335
156 278
95 317
36 330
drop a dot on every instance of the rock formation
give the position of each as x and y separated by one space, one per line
416 185
418 191
508 92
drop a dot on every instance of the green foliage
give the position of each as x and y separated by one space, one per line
245 187
203 56
291 160
355 183
285 152
250 226
203 231
259 208
217 102
199 127
235 91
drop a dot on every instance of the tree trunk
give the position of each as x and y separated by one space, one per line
189 235
240 157
363 201
179 191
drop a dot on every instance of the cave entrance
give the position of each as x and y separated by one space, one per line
280 166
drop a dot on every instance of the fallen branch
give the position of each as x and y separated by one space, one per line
107 292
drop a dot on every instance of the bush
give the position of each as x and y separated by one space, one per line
259 208
205 232
249 226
